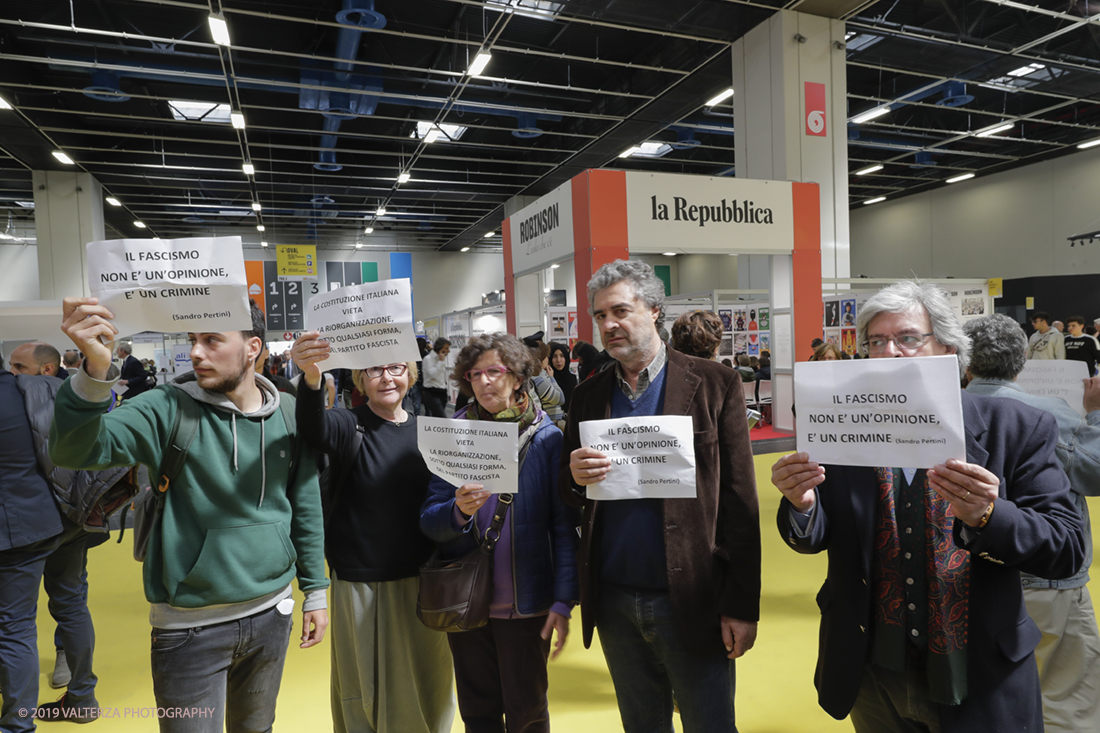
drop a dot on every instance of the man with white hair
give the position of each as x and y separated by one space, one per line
923 624
1069 654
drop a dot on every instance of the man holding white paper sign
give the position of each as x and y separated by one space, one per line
672 583
919 607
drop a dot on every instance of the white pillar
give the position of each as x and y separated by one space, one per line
68 213
772 65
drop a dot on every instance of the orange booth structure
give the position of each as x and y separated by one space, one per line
603 215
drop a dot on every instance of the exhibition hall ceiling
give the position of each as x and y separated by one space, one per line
409 123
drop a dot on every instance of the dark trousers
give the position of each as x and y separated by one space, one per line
435 402
21 574
500 674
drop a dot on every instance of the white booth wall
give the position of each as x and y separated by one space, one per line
1011 224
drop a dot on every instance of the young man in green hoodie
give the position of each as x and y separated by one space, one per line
240 520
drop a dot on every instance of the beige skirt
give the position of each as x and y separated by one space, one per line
390 674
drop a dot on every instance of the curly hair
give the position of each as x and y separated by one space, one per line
512 352
697 333
998 347
648 288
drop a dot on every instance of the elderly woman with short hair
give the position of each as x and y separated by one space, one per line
389 673
500 668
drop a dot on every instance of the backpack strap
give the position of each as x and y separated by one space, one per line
179 441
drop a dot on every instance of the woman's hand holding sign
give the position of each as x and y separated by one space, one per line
588 466
307 351
89 326
968 487
470 497
797 476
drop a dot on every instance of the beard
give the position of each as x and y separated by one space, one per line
228 383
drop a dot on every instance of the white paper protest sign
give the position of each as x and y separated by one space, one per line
880 412
471 451
171 285
651 457
367 325
1055 378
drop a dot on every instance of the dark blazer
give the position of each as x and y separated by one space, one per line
137 379
712 542
1034 528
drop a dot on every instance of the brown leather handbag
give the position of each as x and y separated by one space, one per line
455 594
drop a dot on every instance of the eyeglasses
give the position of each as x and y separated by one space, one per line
395 370
493 373
907 343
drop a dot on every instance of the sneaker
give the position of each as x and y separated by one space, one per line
61 674
58 711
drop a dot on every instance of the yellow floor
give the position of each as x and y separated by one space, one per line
775 680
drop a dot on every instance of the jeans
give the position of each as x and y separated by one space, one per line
229 671
649 666
64 560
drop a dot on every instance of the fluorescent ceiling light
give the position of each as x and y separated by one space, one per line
249 169
869 169
647 150
359 245
1025 70
381 211
5 235
404 177
25 204
256 206
1089 144
963 177
113 201
4 104
368 230
490 234
554 267
260 227
219 30
479 63
237 119
263 244
874 201
669 254
182 109
994 130
429 132
467 249
719 98
63 158
539 9
871 114
139 225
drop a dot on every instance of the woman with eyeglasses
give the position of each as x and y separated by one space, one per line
500 668
389 673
